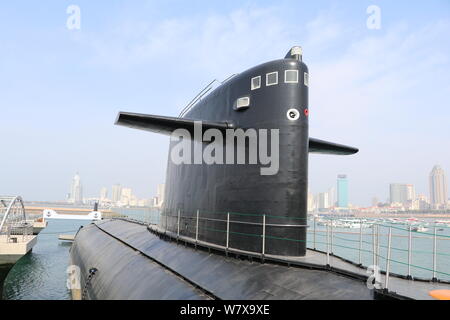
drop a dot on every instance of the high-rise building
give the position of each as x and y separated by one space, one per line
160 195
310 202
422 202
438 187
127 196
331 197
401 193
103 194
116 193
323 201
342 191
76 190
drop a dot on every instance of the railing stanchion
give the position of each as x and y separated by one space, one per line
388 260
165 222
360 241
196 230
328 246
434 255
378 246
228 232
264 238
331 242
373 245
314 246
178 225
409 276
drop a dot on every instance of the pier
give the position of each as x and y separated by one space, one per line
16 234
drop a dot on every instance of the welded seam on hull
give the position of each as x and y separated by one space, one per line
177 274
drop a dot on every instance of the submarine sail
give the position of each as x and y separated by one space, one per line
274 97
250 200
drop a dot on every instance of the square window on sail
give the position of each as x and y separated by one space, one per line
256 83
272 79
291 76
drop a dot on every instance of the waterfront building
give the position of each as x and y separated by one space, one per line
332 197
310 202
76 190
103 194
126 196
323 201
342 191
402 193
158 200
438 188
116 193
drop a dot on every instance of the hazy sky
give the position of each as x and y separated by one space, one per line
384 91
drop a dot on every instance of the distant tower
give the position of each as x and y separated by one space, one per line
310 202
103 194
127 196
331 197
160 194
323 200
438 187
76 190
116 193
342 191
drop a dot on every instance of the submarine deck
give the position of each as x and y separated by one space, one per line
399 287
238 276
228 278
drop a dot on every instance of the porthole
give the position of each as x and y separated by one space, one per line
242 103
293 114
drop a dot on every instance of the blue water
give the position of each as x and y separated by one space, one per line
346 245
41 274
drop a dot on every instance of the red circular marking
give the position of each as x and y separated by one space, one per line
306 112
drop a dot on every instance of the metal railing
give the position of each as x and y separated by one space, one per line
398 250
409 249
13 221
202 94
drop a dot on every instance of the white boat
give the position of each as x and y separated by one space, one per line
419 229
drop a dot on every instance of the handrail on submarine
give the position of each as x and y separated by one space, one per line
201 94
329 244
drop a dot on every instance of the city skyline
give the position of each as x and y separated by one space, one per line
120 196
62 88
401 195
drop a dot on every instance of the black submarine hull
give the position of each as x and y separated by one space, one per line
134 263
4 271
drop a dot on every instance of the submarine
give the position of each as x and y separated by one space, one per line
235 205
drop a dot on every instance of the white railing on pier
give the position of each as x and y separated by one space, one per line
13 220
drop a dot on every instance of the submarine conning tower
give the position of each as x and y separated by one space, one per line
239 202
